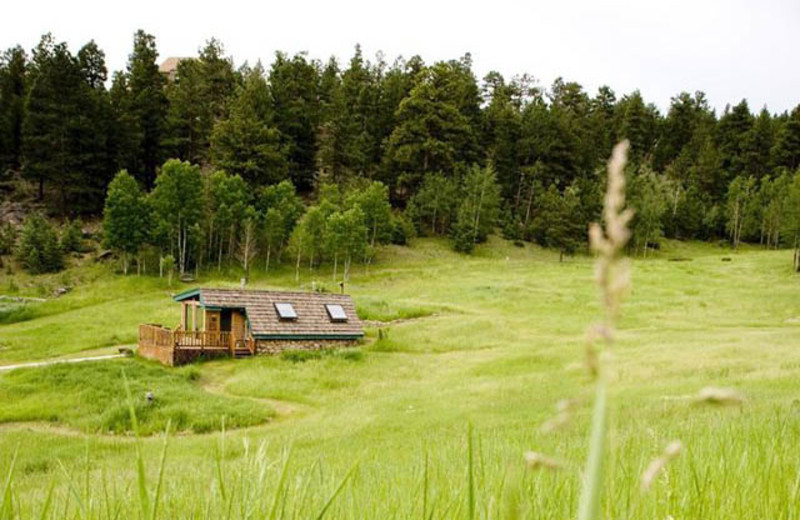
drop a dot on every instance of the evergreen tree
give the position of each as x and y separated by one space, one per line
148 108
38 250
554 225
787 145
294 93
432 134
247 143
13 85
55 121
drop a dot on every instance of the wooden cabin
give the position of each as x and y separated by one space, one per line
236 323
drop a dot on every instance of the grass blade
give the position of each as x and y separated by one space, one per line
336 493
281 482
144 498
161 472
5 507
593 479
471 477
48 500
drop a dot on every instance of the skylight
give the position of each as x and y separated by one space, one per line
336 312
286 311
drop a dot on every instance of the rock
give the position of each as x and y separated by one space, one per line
61 291
104 255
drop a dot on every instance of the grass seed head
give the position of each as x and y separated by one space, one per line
657 465
536 460
719 396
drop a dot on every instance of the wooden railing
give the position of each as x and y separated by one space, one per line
151 335
203 339
158 336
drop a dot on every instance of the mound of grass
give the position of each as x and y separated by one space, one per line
301 356
91 397
374 309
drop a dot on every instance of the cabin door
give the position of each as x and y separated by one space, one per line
238 325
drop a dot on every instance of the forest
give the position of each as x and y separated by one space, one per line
316 160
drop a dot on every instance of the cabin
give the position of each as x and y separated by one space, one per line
238 323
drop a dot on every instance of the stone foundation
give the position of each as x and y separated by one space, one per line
276 346
174 357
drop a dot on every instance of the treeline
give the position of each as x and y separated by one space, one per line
194 220
427 132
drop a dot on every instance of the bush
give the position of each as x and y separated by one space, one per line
403 230
38 250
8 238
72 237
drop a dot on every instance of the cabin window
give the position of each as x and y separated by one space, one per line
286 311
336 312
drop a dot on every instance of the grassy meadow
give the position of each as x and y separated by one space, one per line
432 417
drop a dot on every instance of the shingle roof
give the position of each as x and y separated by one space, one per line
312 316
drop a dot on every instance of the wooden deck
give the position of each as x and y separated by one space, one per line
158 337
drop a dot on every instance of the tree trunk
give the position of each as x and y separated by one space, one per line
297 268
335 265
125 263
266 270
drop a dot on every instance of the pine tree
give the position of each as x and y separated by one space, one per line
148 107
38 250
294 93
54 120
787 145
13 86
247 143
554 225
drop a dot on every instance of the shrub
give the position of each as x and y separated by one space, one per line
38 250
403 230
8 238
72 237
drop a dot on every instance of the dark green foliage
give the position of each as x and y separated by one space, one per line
38 250
13 85
296 113
555 225
71 240
146 109
64 130
418 128
8 238
247 143
403 230
787 145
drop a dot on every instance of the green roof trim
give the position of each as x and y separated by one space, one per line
309 336
185 295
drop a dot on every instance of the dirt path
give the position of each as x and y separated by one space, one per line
56 361
282 408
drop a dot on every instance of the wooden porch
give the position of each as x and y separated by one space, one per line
153 336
